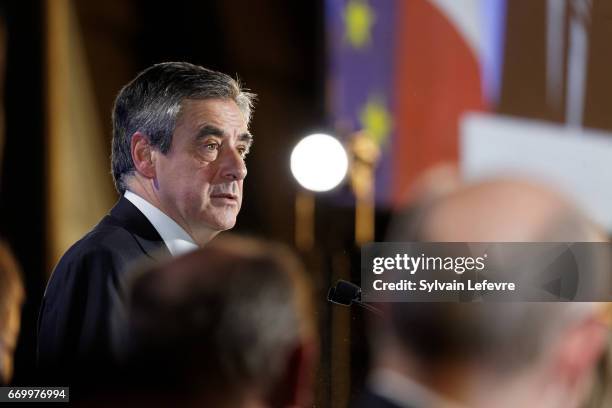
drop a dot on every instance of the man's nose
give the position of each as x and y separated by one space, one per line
232 166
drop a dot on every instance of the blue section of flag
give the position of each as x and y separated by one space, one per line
493 18
359 73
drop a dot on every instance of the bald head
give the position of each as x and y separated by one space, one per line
504 211
498 338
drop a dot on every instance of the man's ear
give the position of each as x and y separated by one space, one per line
296 386
142 155
579 351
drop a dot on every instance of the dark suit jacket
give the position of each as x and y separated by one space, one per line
74 322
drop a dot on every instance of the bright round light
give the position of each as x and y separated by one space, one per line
319 162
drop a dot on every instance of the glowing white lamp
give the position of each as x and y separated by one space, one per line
319 162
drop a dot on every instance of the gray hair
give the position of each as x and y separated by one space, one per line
151 102
218 320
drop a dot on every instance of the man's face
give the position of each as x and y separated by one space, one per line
199 180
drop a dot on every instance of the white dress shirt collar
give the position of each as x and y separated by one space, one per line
175 237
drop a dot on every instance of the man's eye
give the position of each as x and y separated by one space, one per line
243 151
211 147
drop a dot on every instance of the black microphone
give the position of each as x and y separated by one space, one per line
346 293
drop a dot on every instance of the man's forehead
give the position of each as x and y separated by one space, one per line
222 113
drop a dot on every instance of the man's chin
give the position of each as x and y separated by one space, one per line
217 219
222 224
227 227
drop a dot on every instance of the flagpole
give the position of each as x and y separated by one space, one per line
304 220
365 155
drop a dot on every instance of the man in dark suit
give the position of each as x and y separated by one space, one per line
180 137
488 354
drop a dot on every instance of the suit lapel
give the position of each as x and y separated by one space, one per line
154 249
125 214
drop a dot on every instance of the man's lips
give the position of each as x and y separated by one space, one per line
228 196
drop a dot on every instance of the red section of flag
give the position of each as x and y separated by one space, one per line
438 79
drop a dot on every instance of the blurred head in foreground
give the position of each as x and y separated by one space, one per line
230 325
11 299
490 354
